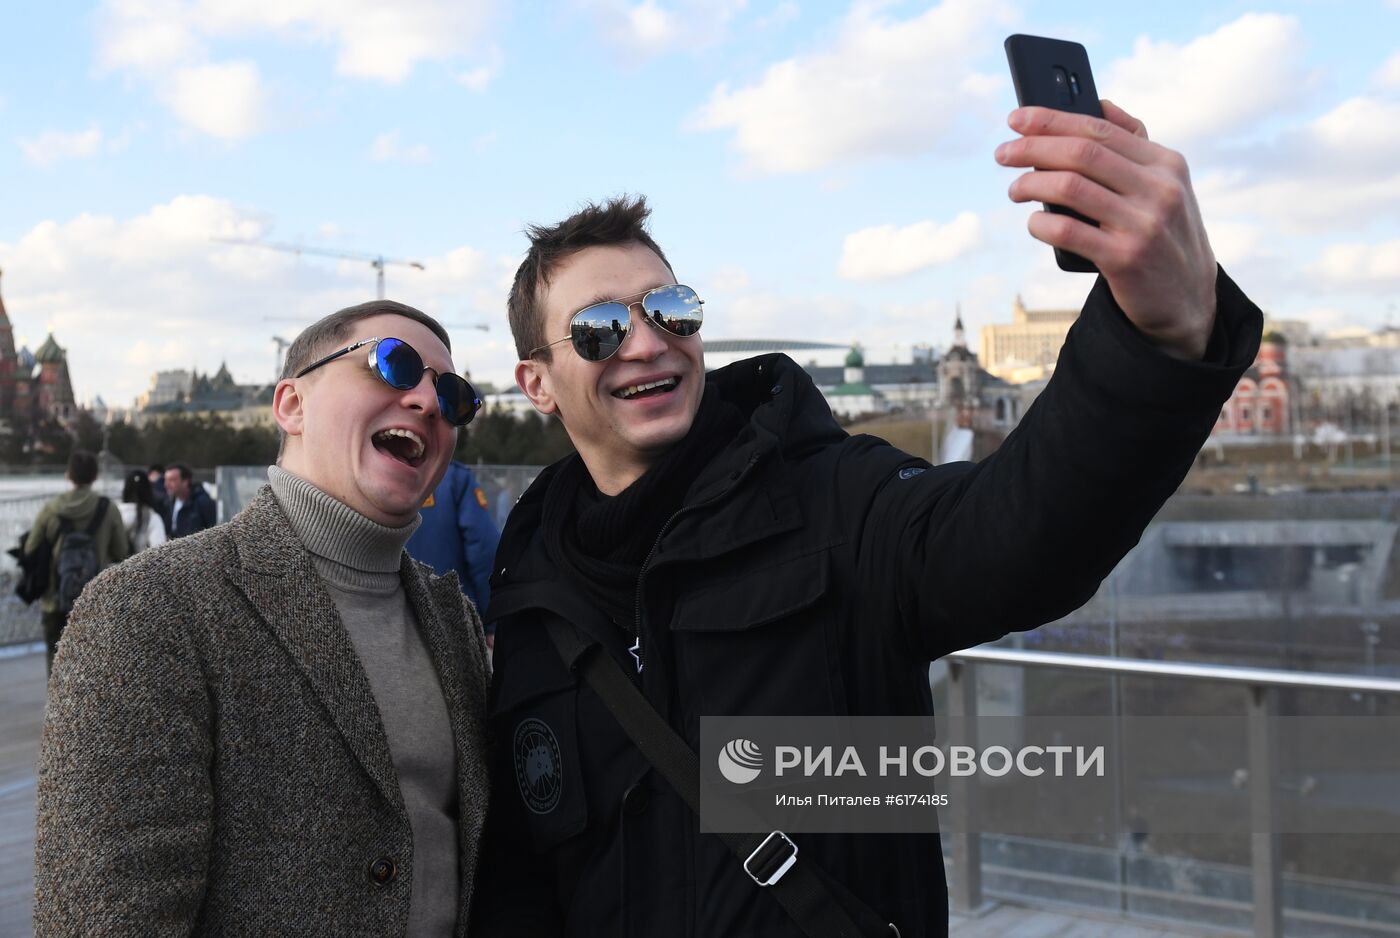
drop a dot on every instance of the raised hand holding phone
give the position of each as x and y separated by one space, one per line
1150 243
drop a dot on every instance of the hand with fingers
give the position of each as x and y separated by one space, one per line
1150 245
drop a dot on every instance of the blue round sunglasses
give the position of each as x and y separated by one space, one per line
399 365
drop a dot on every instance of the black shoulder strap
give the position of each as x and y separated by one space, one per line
770 860
98 516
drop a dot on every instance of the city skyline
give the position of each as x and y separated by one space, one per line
819 171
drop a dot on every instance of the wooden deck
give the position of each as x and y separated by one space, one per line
21 714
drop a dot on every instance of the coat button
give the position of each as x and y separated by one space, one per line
383 871
635 801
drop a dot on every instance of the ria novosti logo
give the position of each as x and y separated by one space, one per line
740 761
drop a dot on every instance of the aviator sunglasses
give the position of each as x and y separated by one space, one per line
597 331
400 366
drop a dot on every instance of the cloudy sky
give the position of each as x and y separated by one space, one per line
818 170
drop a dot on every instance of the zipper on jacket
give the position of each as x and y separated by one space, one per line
636 649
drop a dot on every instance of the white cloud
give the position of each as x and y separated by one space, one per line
1366 125
646 22
1339 171
1233 242
51 146
1221 83
387 149
1297 205
147 36
784 12
884 87
223 100
642 31
169 41
1388 75
127 296
768 313
886 251
1360 265
476 79
374 40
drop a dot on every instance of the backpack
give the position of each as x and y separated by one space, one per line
77 556
33 569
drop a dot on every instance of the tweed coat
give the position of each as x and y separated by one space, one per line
213 761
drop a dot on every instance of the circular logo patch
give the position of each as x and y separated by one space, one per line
741 761
538 771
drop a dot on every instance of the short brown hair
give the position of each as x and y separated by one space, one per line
620 220
82 467
318 338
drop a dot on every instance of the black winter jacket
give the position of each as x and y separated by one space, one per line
815 573
195 515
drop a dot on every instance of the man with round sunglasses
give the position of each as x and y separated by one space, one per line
721 545
273 726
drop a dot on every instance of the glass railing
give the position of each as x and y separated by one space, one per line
1327 874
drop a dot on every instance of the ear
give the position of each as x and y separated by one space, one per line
535 380
287 407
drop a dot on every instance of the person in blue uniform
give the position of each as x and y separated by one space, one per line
458 534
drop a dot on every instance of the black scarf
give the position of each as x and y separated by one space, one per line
601 542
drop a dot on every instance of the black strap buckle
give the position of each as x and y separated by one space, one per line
771 859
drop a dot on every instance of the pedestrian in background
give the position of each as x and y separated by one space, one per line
458 534
140 515
155 474
76 515
190 508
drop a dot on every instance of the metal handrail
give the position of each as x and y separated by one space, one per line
1260 714
1229 674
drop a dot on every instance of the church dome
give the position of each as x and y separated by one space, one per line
49 352
855 359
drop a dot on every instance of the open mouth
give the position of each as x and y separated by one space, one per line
404 445
649 389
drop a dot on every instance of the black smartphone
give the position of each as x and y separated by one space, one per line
1055 73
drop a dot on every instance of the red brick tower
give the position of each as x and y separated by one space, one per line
7 364
55 391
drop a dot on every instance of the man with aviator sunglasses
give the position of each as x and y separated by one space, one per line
720 546
273 726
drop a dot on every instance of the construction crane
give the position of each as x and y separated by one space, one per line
282 346
377 261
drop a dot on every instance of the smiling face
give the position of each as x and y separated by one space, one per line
618 424
379 450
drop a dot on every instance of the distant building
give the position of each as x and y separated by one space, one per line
853 397
1336 376
1261 402
33 385
955 385
166 387
189 392
1027 348
512 401
978 399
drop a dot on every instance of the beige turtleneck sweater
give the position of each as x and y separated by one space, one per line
358 559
